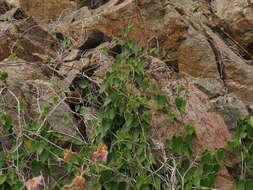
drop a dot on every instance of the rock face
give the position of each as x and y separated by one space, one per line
210 45
211 87
92 4
232 109
238 17
196 46
44 10
4 7
24 37
199 111
211 130
196 57
29 85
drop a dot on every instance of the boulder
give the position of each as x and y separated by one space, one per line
250 108
211 130
187 36
196 57
237 74
115 16
231 108
13 2
199 110
27 84
24 37
45 10
4 7
211 87
92 4
238 18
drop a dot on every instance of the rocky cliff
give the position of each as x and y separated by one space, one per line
208 45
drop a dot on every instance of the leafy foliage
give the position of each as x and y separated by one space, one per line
119 154
242 144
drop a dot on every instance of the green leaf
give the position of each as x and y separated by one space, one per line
34 126
48 60
180 103
106 175
185 164
197 177
188 186
235 145
44 156
38 146
141 180
147 117
177 145
13 55
66 119
17 186
46 110
208 181
250 121
240 185
129 120
82 84
12 176
2 158
162 100
55 99
36 167
219 155
66 89
127 29
249 184
189 129
3 76
54 81
206 157
208 168
172 116
2 179
157 183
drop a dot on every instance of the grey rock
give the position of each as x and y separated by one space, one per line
250 107
28 84
24 37
231 108
238 17
211 87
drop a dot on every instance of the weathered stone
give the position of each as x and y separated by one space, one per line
27 84
42 10
13 2
211 87
186 30
251 109
20 70
237 74
225 180
238 16
211 130
112 18
4 7
74 54
92 4
26 39
196 57
231 108
12 16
